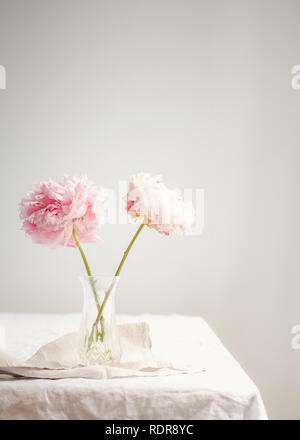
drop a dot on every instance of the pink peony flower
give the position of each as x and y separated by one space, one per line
161 208
51 209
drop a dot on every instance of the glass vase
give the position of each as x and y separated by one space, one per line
100 343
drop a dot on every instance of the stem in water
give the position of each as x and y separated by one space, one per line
92 282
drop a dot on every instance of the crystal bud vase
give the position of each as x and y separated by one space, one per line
100 343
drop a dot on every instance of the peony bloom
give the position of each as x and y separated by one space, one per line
161 208
51 209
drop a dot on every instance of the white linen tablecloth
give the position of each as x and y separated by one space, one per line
222 390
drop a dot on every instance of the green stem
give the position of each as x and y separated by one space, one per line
117 273
88 269
82 253
91 279
128 249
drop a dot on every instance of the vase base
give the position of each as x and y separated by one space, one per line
97 354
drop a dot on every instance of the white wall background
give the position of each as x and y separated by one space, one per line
199 91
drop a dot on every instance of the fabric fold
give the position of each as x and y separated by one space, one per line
61 358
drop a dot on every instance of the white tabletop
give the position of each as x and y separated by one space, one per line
222 391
